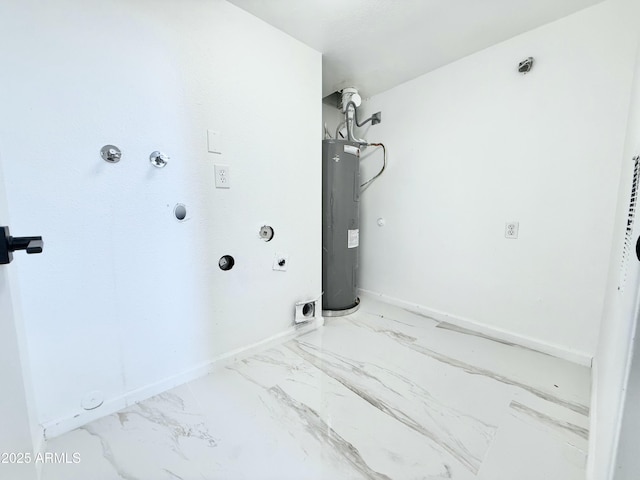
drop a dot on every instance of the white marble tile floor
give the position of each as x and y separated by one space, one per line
381 394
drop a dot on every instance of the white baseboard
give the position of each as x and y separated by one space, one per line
554 350
593 417
82 417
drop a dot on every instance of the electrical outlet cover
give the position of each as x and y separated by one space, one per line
223 178
511 230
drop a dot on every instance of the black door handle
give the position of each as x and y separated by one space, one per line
9 244
30 244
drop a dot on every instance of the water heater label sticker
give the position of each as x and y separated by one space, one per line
353 238
352 150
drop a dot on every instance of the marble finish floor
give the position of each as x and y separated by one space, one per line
381 394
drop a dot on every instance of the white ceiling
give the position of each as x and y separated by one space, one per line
377 44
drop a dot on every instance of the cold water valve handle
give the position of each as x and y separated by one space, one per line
9 244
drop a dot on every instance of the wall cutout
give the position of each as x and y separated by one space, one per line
226 262
525 65
180 211
280 262
305 311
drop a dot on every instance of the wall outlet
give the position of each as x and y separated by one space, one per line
280 262
223 179
511 230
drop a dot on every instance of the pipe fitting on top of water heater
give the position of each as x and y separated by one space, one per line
350 94
350 101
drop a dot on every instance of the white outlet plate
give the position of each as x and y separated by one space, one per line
511 230
280 262
223 180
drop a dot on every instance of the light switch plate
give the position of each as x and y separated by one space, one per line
214 141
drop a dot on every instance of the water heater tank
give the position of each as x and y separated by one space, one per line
340 226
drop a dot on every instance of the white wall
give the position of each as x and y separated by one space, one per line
625 461
476 144
19 425
620 312
126 300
